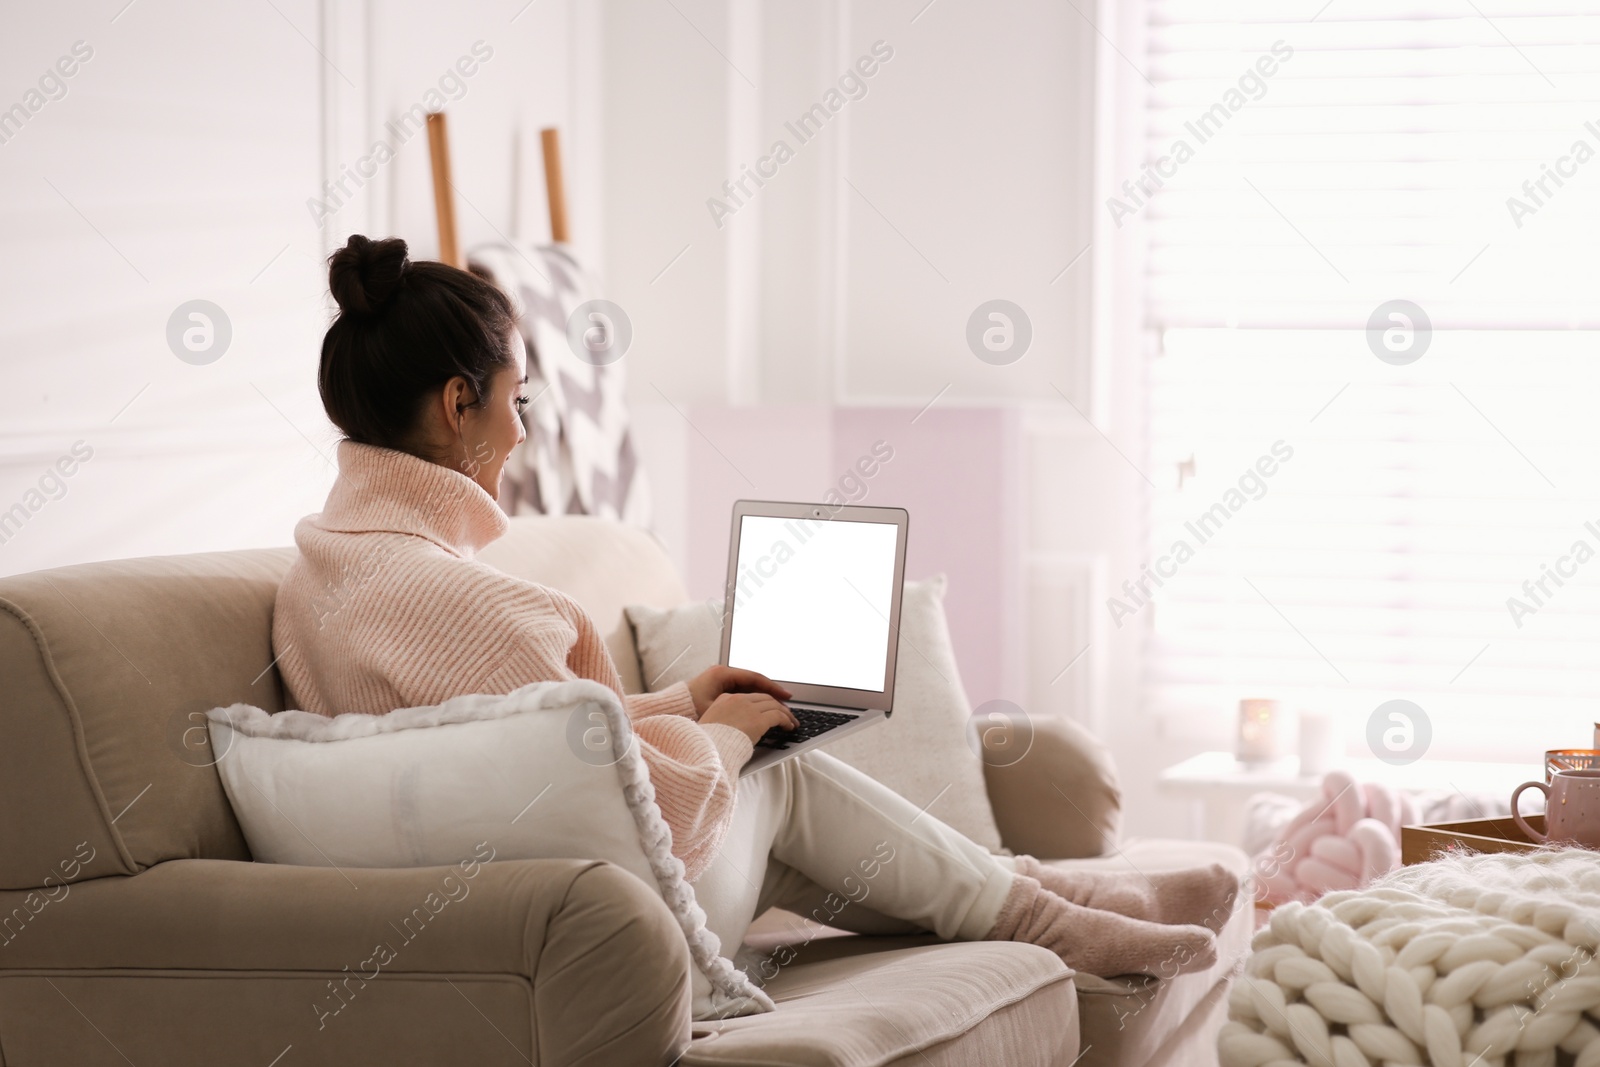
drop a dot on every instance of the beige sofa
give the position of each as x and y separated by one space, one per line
134 927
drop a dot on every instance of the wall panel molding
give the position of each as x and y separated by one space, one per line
1066 642
962 179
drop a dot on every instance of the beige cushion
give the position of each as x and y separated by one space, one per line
984 1002
1059 797
922 752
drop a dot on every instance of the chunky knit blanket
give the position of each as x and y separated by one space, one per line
1477 961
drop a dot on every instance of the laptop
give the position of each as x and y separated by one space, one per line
813 602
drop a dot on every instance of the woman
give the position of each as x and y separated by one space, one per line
387 608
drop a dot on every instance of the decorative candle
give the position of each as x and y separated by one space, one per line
1260 731
1319 742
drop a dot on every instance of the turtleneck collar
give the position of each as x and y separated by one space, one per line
383 490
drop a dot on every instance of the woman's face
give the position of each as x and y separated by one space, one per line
489 431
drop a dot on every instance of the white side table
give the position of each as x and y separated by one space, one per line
1216 785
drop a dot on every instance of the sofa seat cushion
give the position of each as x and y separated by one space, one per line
1128 1020
935 1004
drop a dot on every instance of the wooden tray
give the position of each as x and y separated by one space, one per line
1419 844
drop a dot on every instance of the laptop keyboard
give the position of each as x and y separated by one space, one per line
812 722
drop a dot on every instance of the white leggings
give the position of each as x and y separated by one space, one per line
816 836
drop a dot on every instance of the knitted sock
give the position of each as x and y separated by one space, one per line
1100 942
1202 896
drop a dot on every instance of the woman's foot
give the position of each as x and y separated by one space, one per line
1100 942
1202 896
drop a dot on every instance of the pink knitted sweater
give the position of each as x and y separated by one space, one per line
386 608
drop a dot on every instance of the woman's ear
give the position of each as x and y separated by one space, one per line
457 397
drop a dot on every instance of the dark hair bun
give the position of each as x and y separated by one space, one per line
403 330
365 273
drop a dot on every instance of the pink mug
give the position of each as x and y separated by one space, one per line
1572 809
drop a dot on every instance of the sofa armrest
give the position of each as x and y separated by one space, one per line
1060 799
571 961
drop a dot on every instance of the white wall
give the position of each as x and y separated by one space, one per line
178 165
962 174
174 168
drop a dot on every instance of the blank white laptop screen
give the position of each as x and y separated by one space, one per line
811 602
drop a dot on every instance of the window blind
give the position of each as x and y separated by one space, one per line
1434 533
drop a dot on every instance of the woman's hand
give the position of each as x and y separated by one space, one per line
752 713
713 682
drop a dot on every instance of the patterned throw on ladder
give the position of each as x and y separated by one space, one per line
580 456
1476 961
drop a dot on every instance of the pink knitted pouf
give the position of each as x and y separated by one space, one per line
1342 840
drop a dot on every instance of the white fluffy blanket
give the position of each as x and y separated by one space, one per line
1478 961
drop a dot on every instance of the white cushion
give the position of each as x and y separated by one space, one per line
550 771
922 752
